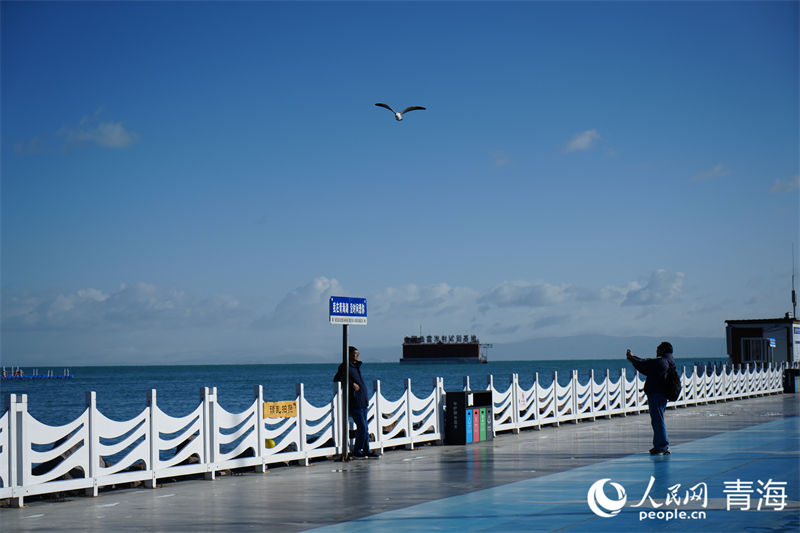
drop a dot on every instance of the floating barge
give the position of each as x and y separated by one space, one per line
435 349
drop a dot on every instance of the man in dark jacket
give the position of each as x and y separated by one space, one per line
358 403
655 370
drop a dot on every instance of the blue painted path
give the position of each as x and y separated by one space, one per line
712 485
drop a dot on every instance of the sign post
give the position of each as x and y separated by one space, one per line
346 311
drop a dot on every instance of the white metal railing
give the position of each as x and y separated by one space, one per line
575 401
35 458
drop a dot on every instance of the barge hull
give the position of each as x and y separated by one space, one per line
440 360
417 351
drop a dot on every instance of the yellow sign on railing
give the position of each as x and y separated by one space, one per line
280 409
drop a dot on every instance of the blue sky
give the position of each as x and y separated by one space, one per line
190 182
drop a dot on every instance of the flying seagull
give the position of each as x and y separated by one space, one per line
399 116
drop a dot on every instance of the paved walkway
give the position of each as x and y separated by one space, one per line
723 455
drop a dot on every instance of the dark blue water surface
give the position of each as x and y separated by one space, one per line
122 390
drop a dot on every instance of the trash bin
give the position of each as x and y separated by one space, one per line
468 417
791 380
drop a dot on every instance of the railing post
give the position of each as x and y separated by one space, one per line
755 379
575 395
153 437
724 377
537 413
745 381
438 384
701 384
591 393
714 383
768 374
378 422
757 382
772 369
338 438
18 466
623 382
776 377
94 443
301 422
608 392
515 403
490 387
209 397
557 412
641 393
409 415
759 378
772 375
683 388
723 370
739 380
258 396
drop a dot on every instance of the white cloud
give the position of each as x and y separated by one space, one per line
582 141
91 130
716 172
410 300
525 294
303 306
166 324
662 288
132 306
788 185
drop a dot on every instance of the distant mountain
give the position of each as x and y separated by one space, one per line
582 347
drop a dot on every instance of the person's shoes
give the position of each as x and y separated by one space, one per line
373 455
656 451
357 455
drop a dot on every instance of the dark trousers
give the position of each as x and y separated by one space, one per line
657 405
361 444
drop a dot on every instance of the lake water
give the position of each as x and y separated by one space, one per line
122 390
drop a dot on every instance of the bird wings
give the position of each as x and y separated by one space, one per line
406 110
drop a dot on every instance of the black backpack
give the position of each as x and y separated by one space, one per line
672 384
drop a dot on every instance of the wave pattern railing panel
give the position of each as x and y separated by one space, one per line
94 451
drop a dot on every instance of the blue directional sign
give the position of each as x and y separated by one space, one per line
344 310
